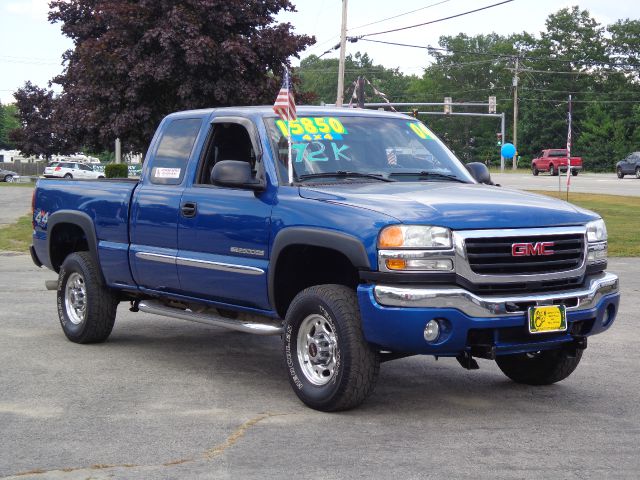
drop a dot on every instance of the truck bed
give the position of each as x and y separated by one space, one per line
102 205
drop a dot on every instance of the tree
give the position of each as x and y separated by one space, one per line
8 122
133 62
319 77
37 112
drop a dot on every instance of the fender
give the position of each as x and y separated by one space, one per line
81 220
351 247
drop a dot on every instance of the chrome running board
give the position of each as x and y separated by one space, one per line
242 324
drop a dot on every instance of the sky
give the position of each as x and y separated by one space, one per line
31 48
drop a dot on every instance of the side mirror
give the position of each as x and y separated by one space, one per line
479 172
234 173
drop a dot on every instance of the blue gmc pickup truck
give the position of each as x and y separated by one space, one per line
383 246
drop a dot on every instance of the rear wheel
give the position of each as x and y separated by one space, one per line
330 365
574 173
8 178
86 307
637 172
539 368
68 175
552 171
534 170
619 172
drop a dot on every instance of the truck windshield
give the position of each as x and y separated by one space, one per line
339 149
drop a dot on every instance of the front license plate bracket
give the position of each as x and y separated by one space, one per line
547 319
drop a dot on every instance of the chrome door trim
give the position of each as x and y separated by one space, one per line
225 267
192 262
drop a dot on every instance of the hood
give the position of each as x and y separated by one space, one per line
453 205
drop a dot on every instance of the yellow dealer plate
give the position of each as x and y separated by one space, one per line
548 318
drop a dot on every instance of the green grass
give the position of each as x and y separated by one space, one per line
16 237
508 169
17 184
619 213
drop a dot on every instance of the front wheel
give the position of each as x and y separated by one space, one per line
637 172
535 170
552 171
330 365
539 368
619 172
8 179
86 307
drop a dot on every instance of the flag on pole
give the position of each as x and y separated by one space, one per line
569 149
285 106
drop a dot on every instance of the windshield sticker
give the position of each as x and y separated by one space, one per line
309 129
160 172
422 131
317 152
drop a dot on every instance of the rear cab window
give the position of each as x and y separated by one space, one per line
173 151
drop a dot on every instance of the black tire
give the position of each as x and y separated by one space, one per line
68 175
637 172
8 178
535 170
552 171
541 368
619 172
91 321
355 363
574 172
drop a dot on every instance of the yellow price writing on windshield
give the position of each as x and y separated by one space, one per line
313 128
422 131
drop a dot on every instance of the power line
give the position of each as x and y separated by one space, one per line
399 15
574 101
438 20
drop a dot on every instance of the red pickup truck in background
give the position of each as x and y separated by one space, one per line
553 161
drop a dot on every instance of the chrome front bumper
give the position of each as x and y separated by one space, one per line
583 298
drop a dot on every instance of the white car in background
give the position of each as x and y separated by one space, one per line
71 170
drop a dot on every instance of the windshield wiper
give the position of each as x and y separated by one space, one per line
428 175
345 174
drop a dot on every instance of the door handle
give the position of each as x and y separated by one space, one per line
189 209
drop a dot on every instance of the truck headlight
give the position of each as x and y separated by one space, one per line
596 231
597 250
415 248
414 236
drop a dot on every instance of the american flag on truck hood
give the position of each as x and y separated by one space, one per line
285 105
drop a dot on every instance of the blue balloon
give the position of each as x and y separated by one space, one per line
508 150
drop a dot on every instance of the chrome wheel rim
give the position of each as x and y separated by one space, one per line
317 349
75 298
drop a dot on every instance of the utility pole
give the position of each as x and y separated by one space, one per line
515 113
118 151
343 41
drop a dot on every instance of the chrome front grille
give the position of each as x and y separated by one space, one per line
492 255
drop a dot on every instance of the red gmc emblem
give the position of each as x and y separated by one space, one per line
529 249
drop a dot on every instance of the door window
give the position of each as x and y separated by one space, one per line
227 141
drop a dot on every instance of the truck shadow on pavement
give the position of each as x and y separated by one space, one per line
245 367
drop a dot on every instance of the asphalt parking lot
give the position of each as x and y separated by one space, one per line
169 399
603 183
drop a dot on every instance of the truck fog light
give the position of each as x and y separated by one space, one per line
432 331
607 317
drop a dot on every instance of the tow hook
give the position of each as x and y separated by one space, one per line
578 343
467 361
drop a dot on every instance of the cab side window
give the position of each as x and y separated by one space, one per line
173 152
227 141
